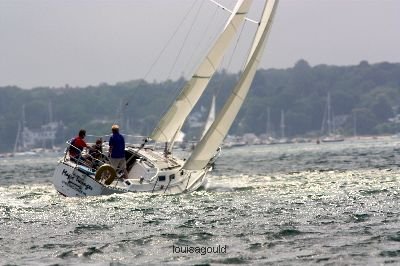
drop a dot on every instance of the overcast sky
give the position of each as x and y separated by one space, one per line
87 42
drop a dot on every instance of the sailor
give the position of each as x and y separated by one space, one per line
117 150
97 149
77 145
96 154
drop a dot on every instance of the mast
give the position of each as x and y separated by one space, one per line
50 106
354 124
17 138
268 131
208 145
282 124
174 118
329 111
23 144
51 122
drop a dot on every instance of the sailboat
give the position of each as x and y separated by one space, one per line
329 123
155 171
283 139
210 117
208 122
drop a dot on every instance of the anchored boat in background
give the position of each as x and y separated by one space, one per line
329 125
155 171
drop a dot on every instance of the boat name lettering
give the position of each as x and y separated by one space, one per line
74 186
79 179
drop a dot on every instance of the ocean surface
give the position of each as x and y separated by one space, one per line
289 204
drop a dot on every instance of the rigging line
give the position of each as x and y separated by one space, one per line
223 59
182 81
236 45
230 11
202 39
221 6
143 80
212 39
169 41
222 80
184 41
248 54
216 20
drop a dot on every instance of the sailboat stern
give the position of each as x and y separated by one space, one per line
78 181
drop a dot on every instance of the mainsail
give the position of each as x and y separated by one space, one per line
174 118
208 145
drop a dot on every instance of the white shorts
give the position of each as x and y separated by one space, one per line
118 163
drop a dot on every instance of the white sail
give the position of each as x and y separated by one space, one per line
210 118
207 147
180 109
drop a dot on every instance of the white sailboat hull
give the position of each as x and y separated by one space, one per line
332 139
73 180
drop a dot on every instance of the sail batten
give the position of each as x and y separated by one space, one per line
208 145
180 109
201 77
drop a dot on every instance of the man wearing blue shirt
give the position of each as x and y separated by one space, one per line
117 150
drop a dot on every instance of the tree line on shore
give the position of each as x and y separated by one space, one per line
364 98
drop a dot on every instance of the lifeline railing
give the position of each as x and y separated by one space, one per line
80 159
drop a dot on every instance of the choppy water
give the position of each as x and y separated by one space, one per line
296 204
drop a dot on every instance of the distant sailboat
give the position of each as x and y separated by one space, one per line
268 131
283 139
268 138
328 124
210 117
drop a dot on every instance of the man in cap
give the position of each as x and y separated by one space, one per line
117 150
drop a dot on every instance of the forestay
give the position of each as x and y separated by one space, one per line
174 118
208 145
